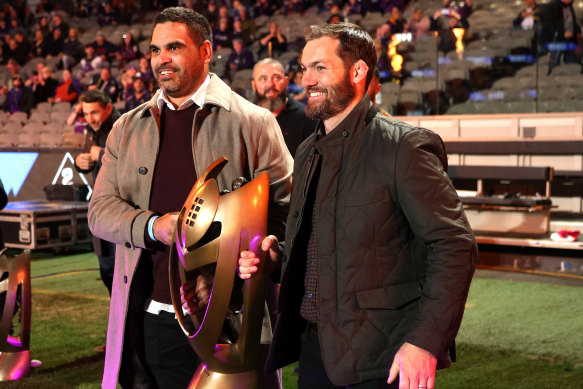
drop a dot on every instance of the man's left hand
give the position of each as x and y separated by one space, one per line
414 366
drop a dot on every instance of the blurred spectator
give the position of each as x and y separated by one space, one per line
15 70
222 35
373 6
127 82
270 87
103 81
237 7
104 48
248 23
3 30
396 22
43 25
56 43
145 68
374 88
19 98
224 14
353 7
239 33
211 13
530 16
3 56
40 46
273 38
73 50
23 49
560 28
59 24
239 59
462 7
107 16
295 90
44 86
91 63
264 8
123 14
76 118
335 15
196 5
388 5
419 24
68 90
28 18
129 49
47 5
383 34
140 94
444 21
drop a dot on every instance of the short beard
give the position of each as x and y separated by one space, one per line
274 104
338 97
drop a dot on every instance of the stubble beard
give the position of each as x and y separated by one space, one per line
272 104
338 97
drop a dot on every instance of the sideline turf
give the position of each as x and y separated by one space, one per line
514 334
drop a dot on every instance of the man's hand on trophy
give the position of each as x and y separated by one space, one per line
248 261
164 227
195 294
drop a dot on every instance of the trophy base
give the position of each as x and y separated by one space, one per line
14 365
208 379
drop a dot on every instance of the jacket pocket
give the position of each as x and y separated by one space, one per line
389 297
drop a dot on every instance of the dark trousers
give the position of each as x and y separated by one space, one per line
312 374
168 354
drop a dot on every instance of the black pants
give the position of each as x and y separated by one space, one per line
168 354
312 374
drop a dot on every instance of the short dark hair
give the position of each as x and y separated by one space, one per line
198 27
355 44
96 96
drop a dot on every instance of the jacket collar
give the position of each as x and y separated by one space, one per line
218 94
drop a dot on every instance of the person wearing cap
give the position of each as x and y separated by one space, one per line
19 98
139 95
105 49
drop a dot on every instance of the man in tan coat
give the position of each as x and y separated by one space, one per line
153 156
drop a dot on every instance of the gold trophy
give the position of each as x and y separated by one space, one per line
213 228
15 323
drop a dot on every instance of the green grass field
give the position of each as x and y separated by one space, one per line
515 334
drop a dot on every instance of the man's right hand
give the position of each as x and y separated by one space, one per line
84 161
164 227
248 261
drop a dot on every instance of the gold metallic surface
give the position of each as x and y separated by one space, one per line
213 229
15 323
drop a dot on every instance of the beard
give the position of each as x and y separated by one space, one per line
272 104
179 85
338 97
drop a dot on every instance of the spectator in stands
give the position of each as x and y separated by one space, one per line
24 47
104 48
237 7
529 17
59 24
264 8
353 7
128 49
44 86
140 94
211 13
3 56
239 59
270 86
373 6
240 33
43 25
248 23
396 21
91 63
419 24
56 43
388 5
123 14
107 16
374 88
40 45
462 7
222 35
100 116
68 90
273 42
105 82
15 70
335 15
295 90
224 14
444 21
3 30
19 98
73 50
76 118
145 68
560 27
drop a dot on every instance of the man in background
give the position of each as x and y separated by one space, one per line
270 86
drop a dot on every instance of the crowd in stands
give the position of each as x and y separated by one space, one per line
58 51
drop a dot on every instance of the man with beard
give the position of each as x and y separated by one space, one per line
270 87
378 253
100 116
153 156
140 94
19 98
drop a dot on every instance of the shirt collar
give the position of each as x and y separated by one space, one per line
197 97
